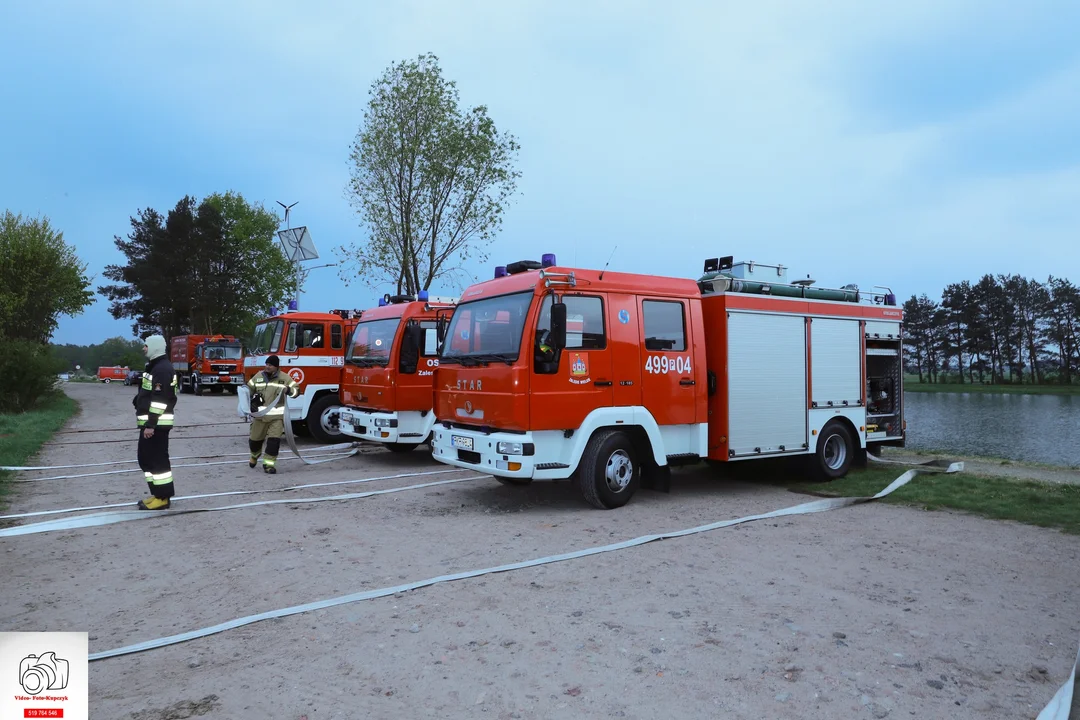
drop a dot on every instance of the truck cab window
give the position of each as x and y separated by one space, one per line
335 336
584 322
665 325
304 335
431 338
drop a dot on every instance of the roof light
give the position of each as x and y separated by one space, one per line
422 296
293 305
383 302
500 271
548 260
273 311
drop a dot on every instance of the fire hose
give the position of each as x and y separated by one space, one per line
244 409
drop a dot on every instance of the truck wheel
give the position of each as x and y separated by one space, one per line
107 381
401 447
835 451
196 388
608 473
322 419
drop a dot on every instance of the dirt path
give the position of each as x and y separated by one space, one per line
994 467
869 612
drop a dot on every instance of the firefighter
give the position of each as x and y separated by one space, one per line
154 404
267 391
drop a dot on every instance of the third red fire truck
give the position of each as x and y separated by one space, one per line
386 392
207 361
311 349
612 378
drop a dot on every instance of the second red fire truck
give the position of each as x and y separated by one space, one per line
613 378
386 392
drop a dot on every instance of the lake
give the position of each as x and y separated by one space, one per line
1030 428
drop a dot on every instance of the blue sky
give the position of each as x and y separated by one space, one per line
903 144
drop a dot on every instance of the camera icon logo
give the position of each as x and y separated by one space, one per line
38 673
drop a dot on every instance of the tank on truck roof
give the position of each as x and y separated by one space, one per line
723 275
547 274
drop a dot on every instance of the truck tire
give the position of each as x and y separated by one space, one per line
322 419
107 381
608 474
196 387
401 447
835 451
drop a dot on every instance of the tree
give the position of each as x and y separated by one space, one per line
41 279
430 181
211 267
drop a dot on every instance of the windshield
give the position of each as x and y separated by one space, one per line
371 342
488 329
267 337
223 352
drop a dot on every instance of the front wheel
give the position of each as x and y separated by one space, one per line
608 474
322 419
835 452
107 381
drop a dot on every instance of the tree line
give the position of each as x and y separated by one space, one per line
114 351
1001 329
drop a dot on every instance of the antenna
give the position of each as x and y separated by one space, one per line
608 262
287 208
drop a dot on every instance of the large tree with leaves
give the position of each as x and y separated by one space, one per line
430 180
208 267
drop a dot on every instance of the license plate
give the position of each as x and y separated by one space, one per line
465 443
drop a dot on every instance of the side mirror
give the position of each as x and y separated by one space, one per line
411 340
558 327
440 330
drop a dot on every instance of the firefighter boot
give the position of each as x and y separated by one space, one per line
270 461
256 451
154 503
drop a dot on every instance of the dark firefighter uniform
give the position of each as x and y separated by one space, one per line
266 389
154 406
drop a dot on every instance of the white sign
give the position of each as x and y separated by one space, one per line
44 674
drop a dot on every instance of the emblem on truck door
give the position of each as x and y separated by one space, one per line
468 406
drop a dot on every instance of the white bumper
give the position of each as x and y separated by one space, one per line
476 451
385 427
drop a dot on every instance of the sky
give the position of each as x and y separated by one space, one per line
906 145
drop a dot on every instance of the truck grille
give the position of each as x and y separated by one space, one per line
223 368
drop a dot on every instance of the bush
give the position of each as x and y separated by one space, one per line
29 371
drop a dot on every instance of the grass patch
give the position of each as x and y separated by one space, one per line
21 436
1007 389
1051 505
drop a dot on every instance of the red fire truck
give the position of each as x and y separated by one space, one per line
389 365
661 371
311 348
207 361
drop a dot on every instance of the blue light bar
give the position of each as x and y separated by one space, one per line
422 296
500 271
293 305
273 312
383 302
548 260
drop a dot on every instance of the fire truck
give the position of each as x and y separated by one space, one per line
658 372
115 372
207 361
311 348
386 393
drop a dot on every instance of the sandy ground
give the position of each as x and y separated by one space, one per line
873 611
990 466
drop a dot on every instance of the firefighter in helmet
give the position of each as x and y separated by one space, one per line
268 390
154 404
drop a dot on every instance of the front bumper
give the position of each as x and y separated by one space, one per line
475 450
385 427
221 379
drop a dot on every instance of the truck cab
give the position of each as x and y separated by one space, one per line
311 349
546 372
386 388
611 378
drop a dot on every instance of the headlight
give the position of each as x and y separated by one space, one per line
508 448
383 422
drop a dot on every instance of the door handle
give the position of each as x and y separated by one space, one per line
685 381
602 383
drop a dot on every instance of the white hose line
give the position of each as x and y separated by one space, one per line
135 470
110 518
1060 706
22 468
805 508
40 513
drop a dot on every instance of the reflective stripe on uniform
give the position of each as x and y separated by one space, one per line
162 478
162 406
269 461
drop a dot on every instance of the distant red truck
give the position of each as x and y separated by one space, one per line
207 361
108 374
